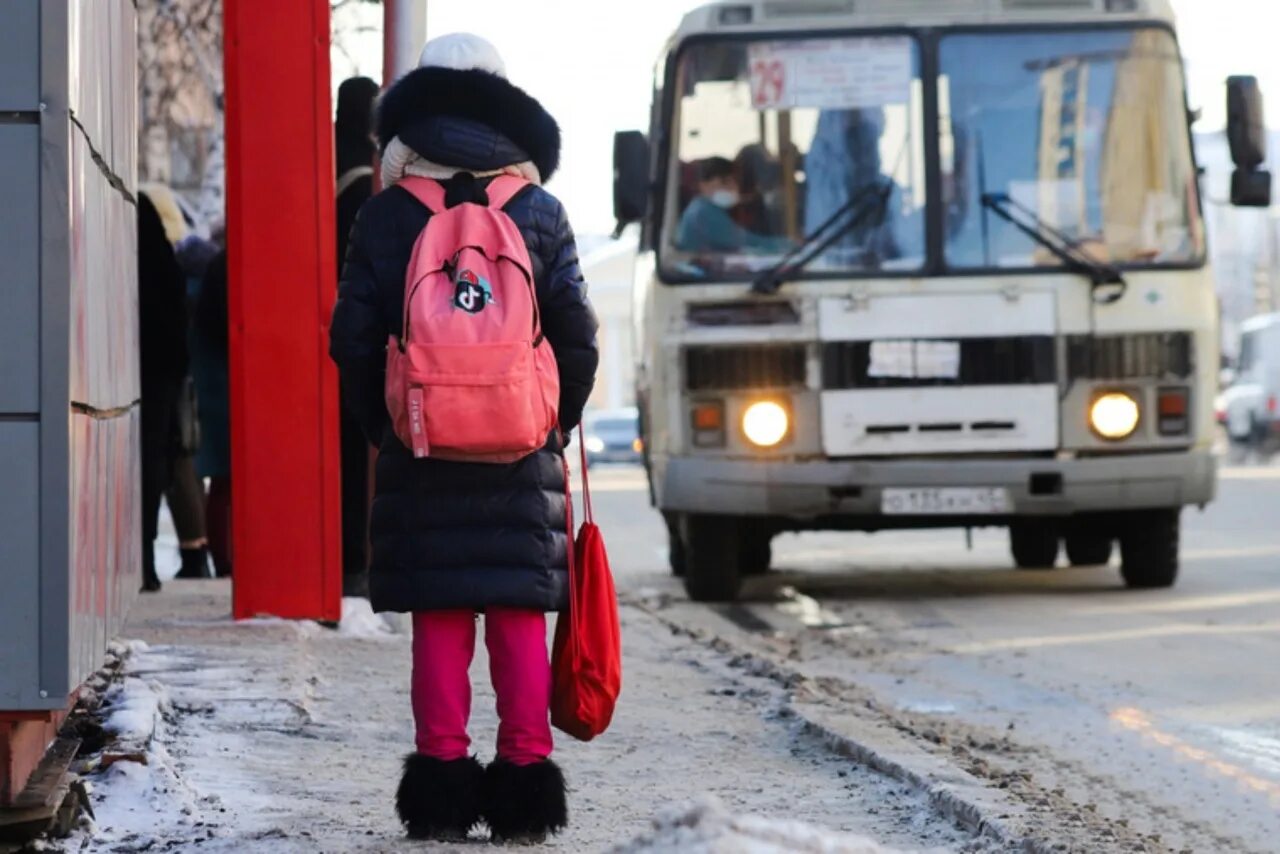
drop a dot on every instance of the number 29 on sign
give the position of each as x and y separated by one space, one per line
768 82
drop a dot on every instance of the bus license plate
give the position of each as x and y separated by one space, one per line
949 501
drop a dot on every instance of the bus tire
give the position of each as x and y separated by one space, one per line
1149 549
675 544
1034 545
1088 548
712 557
757 551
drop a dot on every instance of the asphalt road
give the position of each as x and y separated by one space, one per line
1157 710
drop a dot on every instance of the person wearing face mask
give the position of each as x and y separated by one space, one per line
706 225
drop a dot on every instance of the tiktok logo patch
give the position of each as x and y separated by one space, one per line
471 293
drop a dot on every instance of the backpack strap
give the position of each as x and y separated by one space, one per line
503 189
425 190
348 178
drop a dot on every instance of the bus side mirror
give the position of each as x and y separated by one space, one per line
630 177
1247 136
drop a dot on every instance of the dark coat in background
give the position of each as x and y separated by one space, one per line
353 149
353 139
210 366
162 356
448 534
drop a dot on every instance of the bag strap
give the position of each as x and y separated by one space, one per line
503 189
574 617
586 481
425 190
355 173
573 559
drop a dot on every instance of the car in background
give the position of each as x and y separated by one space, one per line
613 436
1250 405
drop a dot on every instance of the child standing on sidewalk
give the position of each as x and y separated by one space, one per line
454 540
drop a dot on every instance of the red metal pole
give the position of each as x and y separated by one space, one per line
403 31
281 245
389 19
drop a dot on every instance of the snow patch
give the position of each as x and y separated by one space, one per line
303 629
359 620
141 799
131 798
135 708
707 827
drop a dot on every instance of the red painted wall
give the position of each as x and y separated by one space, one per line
280 232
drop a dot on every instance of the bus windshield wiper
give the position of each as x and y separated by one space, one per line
1099 273
867 206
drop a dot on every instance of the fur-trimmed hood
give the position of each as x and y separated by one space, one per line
471 119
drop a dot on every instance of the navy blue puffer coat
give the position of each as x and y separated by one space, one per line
448 534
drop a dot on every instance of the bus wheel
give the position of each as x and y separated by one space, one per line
675 544
757 551
1149 548
1088 548
712 558
1034 545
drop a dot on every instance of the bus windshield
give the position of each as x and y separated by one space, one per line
774 138
1082 130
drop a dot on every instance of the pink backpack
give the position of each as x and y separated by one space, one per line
471 377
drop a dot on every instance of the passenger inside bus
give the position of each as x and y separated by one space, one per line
760 184
843 164
707 224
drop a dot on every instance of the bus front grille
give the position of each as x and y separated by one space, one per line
1018 360
745 368
1148 355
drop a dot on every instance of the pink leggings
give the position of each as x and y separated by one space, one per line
443 645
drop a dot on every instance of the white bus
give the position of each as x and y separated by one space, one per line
926 264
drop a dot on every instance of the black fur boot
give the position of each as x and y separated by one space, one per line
524 803
439 800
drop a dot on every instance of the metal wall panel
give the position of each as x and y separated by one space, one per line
19 564
105 547
89 77
124 58
55 336
104 314
104 514
19 61
19 267
70 516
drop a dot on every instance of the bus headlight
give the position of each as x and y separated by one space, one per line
1114 415
595 445
766 423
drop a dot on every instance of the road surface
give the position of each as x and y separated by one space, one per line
1112 719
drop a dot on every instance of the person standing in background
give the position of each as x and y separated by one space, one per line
163 358
185 494
355 150
211 369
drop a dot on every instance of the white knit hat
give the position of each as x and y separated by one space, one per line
462 52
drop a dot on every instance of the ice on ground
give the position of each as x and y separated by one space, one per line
134 708
707 827
359 620
275 740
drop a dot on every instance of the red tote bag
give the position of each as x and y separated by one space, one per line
586 659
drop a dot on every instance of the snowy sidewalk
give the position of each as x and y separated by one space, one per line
276 736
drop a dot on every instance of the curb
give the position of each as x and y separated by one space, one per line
952 792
